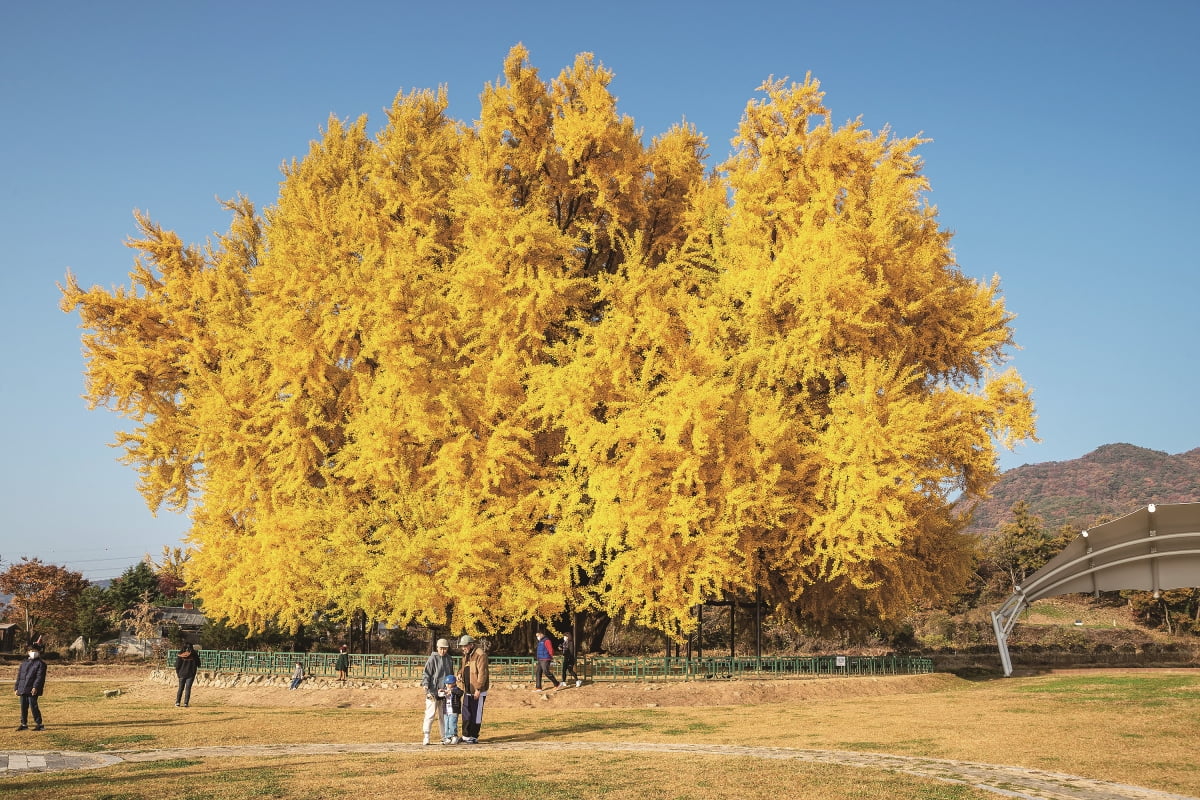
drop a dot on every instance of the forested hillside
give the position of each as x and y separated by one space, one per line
1109 482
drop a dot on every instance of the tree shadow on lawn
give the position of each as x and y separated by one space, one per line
263 779
561 728
125 723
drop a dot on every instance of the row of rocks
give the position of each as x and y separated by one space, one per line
233 680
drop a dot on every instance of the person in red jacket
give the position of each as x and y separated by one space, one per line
544 655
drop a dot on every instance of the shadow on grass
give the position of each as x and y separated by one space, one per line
68 742
156 722
128 779
564 728
978 674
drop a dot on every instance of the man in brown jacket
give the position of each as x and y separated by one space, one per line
474 681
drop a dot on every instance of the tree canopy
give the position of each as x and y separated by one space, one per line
43 596
471 375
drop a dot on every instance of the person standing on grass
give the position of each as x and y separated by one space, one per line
475 681
568 655
186 664
437 667
544 655
342 665
31 682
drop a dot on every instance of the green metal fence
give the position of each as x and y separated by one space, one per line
590 668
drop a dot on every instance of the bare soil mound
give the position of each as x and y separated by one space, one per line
321 692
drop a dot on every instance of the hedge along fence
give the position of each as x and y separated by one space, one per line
590 668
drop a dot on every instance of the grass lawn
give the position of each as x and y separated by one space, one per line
1137 728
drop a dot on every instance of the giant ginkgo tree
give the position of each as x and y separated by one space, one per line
472 375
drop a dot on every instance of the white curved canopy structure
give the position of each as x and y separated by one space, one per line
1153 549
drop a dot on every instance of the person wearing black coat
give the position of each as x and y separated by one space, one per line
31 682
186 664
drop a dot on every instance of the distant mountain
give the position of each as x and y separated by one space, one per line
1108 482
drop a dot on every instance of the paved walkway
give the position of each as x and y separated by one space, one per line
1007 781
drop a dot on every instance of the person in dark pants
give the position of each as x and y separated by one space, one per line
544 655
568 655
31 683
475 681
342 665
186 664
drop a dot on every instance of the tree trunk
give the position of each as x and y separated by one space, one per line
592 628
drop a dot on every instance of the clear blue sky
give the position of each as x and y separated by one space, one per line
1064 157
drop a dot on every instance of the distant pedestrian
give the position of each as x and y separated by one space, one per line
568 656
544 656
342 665
475 682
452 697
30 685
297 675
186 665
433 679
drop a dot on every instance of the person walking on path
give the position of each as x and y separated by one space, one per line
475 681
31 683
544 655
568 655
342 665
437 667
186 664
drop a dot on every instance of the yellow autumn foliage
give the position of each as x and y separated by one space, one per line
472 375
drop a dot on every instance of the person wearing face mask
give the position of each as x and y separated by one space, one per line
31 680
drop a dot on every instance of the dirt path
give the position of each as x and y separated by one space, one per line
998 779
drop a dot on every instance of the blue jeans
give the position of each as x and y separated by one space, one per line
449 724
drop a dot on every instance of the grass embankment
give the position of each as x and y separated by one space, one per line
1138 729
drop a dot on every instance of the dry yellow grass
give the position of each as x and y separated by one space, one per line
1136 728
477 774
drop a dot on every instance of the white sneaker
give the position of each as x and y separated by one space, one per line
426 741
578 684
454 740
